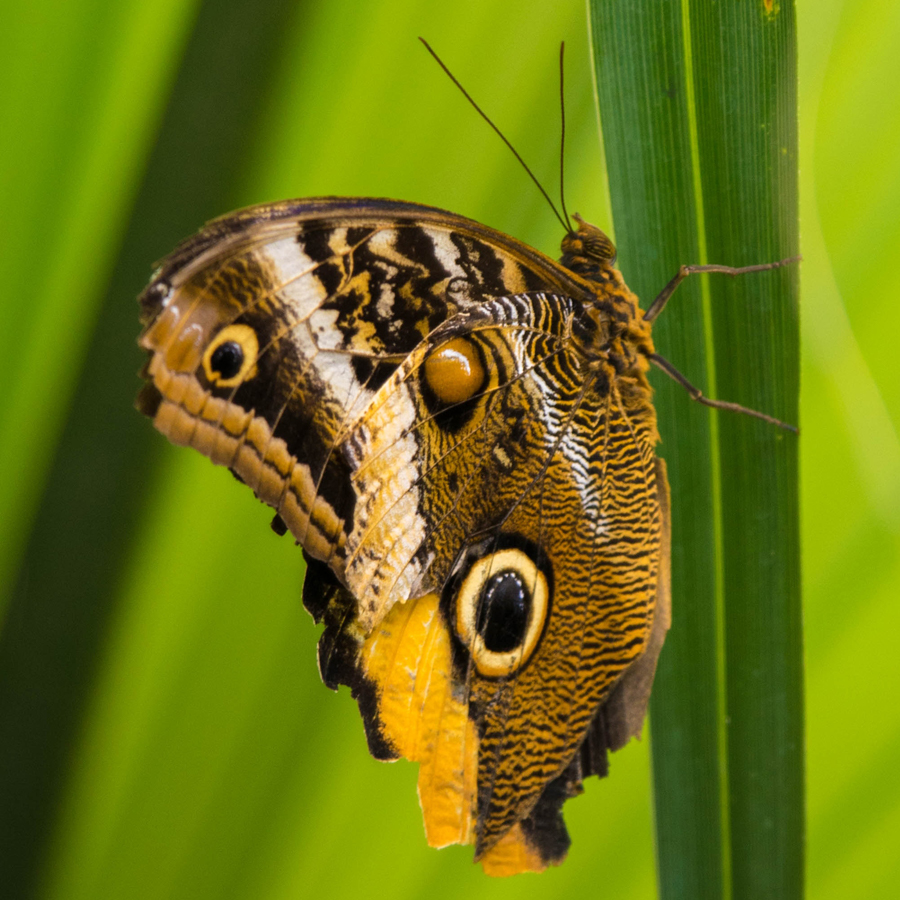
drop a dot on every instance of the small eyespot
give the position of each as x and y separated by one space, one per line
454 372
501 608
231 357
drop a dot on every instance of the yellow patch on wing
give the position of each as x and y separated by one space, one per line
408 657
511 855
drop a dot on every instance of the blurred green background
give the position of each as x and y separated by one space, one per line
163 731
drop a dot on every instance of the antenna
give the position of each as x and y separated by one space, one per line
502 136
562 134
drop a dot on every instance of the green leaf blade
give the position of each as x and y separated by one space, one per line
747 139
699 121
643 104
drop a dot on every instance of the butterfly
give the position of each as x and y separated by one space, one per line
459 433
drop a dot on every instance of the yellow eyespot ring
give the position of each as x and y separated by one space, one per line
230 359
516 569
454 371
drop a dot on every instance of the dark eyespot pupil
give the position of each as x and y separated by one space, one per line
503 612
227 359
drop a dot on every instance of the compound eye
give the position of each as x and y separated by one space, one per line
231 357
501 608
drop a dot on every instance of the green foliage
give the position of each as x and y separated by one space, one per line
698 105
165 733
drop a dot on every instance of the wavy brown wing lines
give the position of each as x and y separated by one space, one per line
638 476
575 704
460 445
566 670
437 447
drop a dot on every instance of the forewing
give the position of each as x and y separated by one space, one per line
327 297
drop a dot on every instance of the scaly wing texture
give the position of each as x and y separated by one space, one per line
337 293
289 343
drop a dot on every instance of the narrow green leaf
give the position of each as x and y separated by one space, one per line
698 107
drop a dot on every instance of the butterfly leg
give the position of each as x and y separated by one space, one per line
696 394
657 306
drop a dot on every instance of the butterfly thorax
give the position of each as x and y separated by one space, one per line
612 330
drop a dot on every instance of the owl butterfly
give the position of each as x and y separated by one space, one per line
459 433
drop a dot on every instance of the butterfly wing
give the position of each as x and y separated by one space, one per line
486 548
542 480
320 300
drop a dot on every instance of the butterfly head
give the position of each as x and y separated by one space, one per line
587 250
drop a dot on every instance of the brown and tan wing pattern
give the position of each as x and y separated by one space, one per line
541 480
321 300
458 431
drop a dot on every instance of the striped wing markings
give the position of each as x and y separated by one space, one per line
551 453
641 447
349 405
508 698
421 423
463 440
309 363
242 251
263 225
487 326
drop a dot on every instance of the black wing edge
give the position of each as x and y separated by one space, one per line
328 601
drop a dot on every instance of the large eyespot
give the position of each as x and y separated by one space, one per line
231 358
501 608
